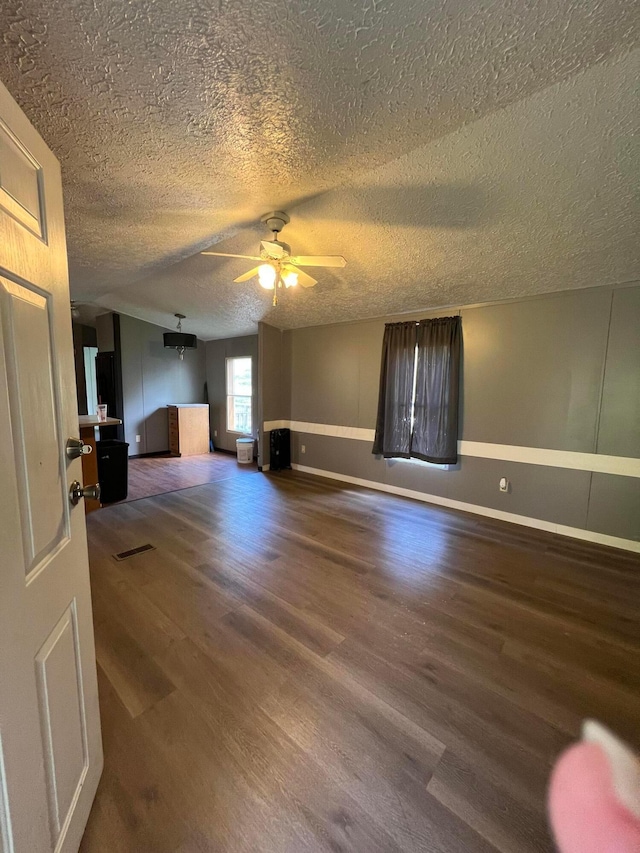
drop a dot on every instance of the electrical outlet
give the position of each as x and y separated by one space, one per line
138 439
215 433
303 449
503 485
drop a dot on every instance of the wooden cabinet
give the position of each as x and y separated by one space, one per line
188 429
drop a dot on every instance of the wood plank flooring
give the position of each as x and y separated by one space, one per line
156 475
305 666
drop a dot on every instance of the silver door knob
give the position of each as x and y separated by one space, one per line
76 447
77 491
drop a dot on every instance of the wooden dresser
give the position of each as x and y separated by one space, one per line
188 428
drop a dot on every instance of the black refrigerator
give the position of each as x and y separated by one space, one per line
109 388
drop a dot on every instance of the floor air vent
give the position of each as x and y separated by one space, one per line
124 555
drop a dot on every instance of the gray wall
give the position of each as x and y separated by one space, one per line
533 369
104 332
559 372
274 382
153 376
619 433
216 354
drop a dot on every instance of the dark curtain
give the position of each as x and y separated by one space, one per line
435 429
393 424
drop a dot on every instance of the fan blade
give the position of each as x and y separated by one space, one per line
319 261
225 255
272 249
247 275
303 278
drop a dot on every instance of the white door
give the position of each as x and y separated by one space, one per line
50 746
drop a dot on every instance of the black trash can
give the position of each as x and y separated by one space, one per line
113 470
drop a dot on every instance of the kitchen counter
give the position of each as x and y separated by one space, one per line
92 421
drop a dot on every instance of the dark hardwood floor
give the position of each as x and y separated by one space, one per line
304 666
156 475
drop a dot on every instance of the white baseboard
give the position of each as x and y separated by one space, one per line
539 524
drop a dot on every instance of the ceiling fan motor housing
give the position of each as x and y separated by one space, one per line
275 221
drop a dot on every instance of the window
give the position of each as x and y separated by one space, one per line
418 401
239 395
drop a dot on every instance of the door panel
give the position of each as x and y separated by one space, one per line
51 751
20 182
62 719
42 499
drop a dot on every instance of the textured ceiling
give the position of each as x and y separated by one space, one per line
434 144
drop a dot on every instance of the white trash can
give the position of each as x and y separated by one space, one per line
244 448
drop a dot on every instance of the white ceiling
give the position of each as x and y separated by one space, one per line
453 151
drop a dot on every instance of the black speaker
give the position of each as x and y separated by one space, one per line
280 446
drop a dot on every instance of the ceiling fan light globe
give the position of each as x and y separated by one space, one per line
267 276
290 278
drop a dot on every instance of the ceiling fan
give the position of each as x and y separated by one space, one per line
277 267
